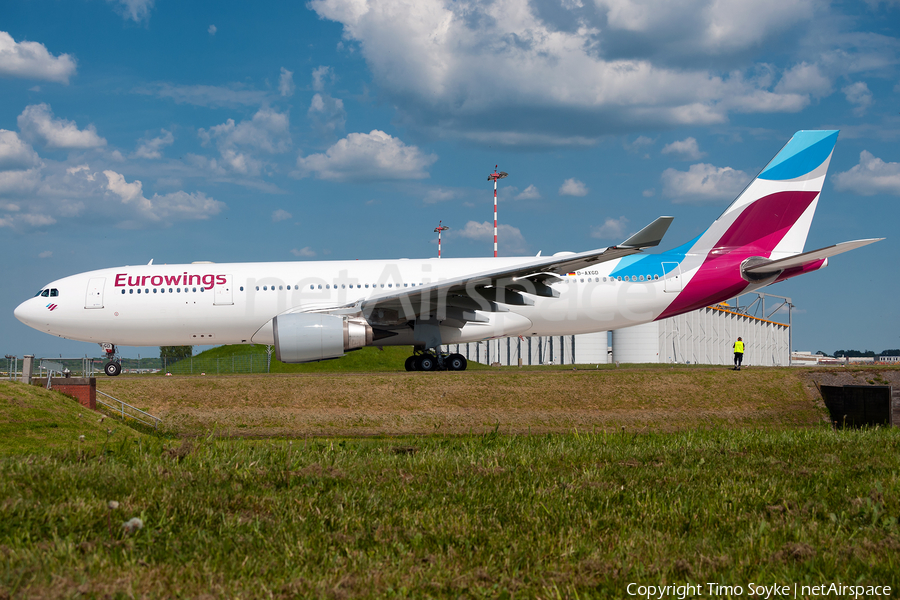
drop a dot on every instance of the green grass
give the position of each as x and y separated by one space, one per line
489 516
235 358
34 419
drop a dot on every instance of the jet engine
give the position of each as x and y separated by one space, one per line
305 337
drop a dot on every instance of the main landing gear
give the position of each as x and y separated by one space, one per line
429 361
113 365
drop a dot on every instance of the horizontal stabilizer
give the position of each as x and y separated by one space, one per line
800 260
651 235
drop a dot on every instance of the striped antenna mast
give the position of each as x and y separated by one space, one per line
440 228
495 176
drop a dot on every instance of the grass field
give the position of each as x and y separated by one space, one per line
746 486
456 403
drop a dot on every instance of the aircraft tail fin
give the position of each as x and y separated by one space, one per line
772 216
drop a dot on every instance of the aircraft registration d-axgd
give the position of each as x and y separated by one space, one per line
318 310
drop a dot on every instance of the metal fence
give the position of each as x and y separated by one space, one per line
126 411
236 363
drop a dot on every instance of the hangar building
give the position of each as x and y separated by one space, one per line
704 336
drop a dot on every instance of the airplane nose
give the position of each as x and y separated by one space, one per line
25 312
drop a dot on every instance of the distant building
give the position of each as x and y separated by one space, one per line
704 336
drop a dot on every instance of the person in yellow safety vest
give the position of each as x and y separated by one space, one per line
738 353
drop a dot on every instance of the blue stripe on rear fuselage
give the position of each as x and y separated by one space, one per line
651 264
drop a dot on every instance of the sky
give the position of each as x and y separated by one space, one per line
229 131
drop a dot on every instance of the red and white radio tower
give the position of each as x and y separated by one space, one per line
495 176
440 228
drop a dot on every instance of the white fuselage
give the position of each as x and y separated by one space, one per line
229 303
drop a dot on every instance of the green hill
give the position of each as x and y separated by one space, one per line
252 358
33 418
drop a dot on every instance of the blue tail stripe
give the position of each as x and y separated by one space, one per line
803 154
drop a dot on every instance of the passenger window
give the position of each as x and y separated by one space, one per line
194 289
139 291
130 291
123 291
154 290
367 285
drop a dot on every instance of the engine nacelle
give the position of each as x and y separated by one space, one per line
306 337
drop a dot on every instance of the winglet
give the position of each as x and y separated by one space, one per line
651 235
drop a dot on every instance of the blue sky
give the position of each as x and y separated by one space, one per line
133 130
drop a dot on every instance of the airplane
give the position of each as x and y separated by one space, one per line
313 311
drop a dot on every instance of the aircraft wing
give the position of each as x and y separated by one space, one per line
458 299
800 260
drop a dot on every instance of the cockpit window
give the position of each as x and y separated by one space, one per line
54 293
45 293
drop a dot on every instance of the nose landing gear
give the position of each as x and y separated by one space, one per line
113 365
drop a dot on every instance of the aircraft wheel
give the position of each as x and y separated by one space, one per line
410 363
456 362
112 368
426 362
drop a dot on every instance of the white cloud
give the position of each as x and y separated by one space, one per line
703 183
515 72
686 149
529 193
573 187
327 114
19 183
440 194
367 157
509 239
268 130
152 148
32 60
281 215
160 208
16 154
38 125
305 252
692 27
136 10
212 30
871 176
322 76
639 144
46 254
804 78
611 229
286 83
858 93
215 96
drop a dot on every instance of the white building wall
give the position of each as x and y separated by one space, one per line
638 344
704 336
